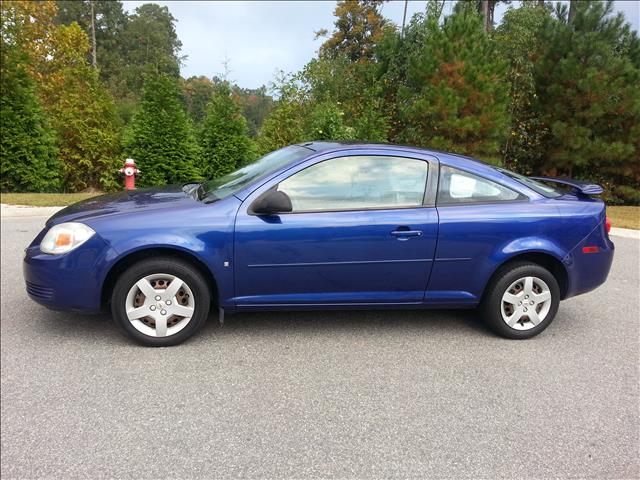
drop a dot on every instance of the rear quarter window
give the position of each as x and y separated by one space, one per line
538 187
458 187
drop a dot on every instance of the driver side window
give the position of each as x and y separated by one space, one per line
358 182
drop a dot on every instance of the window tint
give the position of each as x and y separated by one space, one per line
536 186
352 183
457 186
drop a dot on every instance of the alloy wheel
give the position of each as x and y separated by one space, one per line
525 303
159 305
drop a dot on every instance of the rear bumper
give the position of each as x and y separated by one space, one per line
587 271
70 281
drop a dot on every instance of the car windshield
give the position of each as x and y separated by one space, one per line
535 185
221 187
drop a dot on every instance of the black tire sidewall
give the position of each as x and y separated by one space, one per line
491 307
180 269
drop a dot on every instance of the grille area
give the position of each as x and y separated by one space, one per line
39 291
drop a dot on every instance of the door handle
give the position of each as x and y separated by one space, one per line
405 234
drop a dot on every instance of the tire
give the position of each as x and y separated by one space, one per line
507 306
162 316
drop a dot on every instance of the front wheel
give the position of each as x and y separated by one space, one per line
521 301
160 301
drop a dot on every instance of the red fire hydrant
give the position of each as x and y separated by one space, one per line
130 171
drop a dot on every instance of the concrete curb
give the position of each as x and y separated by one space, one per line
27 211
625 232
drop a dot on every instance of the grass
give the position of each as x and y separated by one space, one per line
621 217
45 199
624 217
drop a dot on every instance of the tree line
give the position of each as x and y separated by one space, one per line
554 89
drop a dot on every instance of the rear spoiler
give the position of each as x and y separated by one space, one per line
583 188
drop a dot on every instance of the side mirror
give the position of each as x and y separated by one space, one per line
271 203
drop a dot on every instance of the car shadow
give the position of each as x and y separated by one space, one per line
439 322
463 322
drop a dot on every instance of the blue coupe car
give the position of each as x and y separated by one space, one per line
327 226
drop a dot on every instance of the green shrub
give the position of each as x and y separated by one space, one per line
161 138
27 142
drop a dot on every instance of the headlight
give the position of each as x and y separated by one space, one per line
65 237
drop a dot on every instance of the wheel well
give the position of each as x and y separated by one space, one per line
545 260
125 262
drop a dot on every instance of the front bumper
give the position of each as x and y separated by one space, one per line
72 281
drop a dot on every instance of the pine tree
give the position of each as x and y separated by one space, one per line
161 138
588 90
27 143
454 97
224 138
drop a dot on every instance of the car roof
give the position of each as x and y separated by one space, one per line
448 158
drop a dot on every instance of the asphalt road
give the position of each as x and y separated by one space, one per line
364 394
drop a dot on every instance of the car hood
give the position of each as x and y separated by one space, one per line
130 201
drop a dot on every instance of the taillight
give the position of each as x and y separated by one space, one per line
607 224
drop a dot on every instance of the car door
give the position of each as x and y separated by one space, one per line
480 219
362 230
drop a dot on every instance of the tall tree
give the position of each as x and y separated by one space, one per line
359 25
79 108
487 9
486 16
224 138
573 5
453 96
94 57
519 41
82 113
104 22
161 138
29 26
344 78
588 93
150 45
27 144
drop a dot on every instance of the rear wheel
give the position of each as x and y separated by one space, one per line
160 302
521 301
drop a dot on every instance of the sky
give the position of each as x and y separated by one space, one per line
258 38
